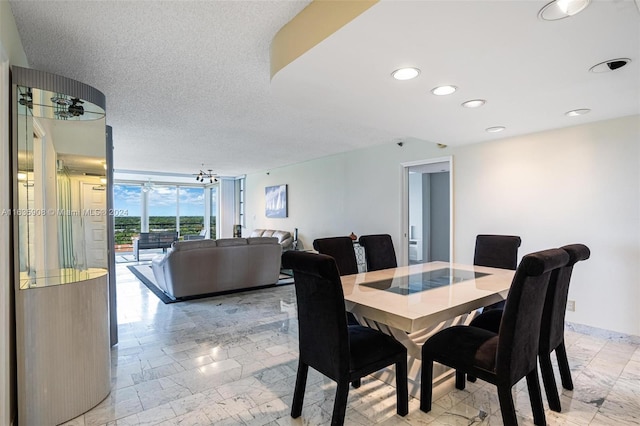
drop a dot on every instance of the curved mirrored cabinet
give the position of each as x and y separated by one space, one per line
61 252
60 208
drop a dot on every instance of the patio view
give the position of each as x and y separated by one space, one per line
154 208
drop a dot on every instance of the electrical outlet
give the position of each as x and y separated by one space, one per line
571 305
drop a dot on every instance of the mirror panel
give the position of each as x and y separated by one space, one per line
60 181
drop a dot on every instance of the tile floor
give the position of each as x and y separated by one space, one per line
231 360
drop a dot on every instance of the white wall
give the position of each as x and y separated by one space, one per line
578 184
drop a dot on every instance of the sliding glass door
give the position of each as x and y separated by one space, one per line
189 210
127 202
163 208
191 216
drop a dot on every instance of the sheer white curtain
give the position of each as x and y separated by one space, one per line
65 224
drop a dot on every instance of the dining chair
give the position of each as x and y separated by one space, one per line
552 326
505 357
496 251
552 331
379 251
341 249
342 352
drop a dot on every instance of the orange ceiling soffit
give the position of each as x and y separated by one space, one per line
308 28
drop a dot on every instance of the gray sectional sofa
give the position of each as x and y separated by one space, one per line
285 239
192 268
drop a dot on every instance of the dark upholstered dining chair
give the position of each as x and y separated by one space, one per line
341 249
502 358
379 251
552 331
497 251
552 326
342 352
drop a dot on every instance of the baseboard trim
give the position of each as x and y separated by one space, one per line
602 333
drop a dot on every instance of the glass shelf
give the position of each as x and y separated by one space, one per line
58 277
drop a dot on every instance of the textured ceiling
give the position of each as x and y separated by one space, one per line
530 71
187 82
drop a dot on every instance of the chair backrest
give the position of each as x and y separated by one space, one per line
341 249
555 305
322 319
379 251
519 333
497 251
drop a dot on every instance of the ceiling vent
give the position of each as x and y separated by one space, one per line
610 65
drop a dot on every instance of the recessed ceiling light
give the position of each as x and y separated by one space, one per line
474 103
577 112
495 129
560 9
405 73
610 65
443 90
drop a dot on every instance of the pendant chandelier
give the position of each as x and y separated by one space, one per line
208 175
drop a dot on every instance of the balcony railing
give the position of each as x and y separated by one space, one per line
127 228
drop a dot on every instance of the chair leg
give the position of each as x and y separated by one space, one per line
563 365
298 393
549 382
426 385
460 380
402 390
535 396
340 404
506 406
356 383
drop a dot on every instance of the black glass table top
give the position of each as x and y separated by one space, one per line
423 281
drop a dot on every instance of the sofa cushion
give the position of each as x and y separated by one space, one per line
281 235
226 242
191 245
262 240
256 233
284 237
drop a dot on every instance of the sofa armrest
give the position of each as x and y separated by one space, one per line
157 265
286 243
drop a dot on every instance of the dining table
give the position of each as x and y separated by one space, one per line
411 303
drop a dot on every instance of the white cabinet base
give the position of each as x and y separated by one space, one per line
64 365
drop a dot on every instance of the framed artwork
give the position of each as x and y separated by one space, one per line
275 201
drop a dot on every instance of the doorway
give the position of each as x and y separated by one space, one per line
94 201
427 211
